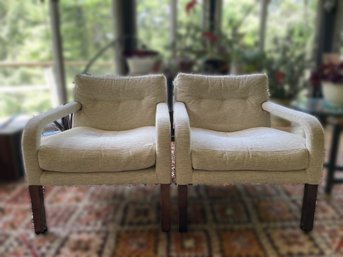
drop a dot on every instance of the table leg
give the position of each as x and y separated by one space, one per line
333 158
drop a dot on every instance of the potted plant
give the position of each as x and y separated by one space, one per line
286 67
197 50
216 59
330 76
143 61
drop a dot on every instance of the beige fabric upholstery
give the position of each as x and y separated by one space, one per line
223 103
130 147
314 136
32 138
118 103
261 148
183 163
146 176
84 149
252 152
250 176
163 153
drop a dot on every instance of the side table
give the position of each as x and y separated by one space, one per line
333 115
11 165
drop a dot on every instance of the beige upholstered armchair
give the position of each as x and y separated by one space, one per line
120 135
223 136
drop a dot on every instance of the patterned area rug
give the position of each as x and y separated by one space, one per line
122 221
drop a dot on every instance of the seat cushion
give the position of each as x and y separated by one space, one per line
254 149
84 149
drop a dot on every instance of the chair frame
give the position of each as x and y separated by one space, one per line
310 177
31 142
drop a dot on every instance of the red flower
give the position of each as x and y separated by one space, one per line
190 5
332 72
210 36
279 76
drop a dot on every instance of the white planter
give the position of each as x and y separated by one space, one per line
142 65
333 93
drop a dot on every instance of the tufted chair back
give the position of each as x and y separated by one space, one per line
116 103
224 103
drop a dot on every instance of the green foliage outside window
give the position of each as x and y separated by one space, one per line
153 25
87 26
289 46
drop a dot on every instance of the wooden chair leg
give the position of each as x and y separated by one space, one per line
183 205
308 207
38 209
165 207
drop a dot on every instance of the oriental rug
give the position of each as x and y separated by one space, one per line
122 221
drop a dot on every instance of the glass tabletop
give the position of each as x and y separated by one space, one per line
317 106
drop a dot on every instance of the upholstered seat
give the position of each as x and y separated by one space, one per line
84 149
223 136
120 134
259 149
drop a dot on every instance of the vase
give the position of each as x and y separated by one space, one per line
142 61
333 93
143 65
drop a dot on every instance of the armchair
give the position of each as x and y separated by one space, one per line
223 136
120 135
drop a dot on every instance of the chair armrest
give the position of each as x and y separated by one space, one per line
163 137
182 145
314 136
32 136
